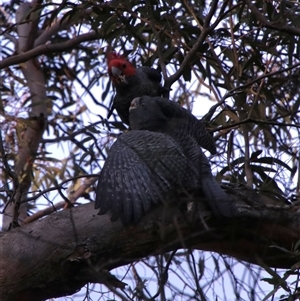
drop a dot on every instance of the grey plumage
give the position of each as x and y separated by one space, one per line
130 82
172 119
146 81
160 155
141 168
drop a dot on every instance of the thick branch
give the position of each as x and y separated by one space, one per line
31 137
49 48
62 252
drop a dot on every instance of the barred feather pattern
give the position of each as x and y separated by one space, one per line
141 169
177 121
165 116
160 155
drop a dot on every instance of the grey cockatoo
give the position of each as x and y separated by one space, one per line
161 154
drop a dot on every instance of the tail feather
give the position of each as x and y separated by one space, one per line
219 202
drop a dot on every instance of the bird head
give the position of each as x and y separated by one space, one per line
119 69
146 114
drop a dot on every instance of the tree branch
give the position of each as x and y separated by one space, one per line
190 56
76 246
49 48
31 137
264 21
241 88
57 206
257 121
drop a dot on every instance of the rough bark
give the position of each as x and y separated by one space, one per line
57 255
29 139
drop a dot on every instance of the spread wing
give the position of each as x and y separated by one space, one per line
140 170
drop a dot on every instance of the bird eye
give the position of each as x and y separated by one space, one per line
124 66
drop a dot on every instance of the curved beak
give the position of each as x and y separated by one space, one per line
118 75
116 71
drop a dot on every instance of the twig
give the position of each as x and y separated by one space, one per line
239 89
254 121
190 56
264 21
159 44
61 204
164 275
10 172
60 186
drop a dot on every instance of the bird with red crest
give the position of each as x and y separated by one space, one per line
130 82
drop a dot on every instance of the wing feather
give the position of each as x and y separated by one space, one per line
188 122
141 168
